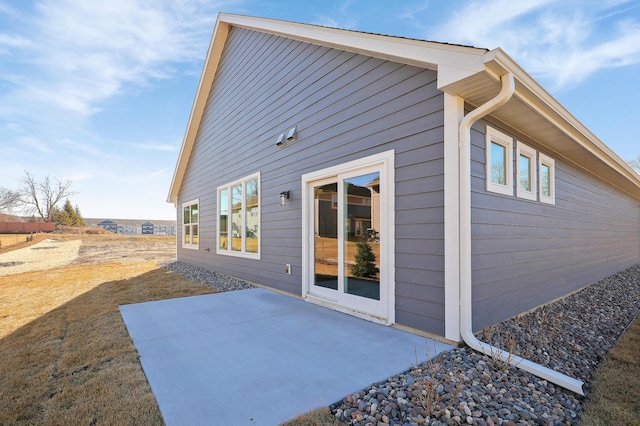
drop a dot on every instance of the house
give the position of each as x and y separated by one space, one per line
147 228
134 226
479 195
108 225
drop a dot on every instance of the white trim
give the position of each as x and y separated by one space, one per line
499 138
453 114
385 162
243 253
190 246
530 153
551 163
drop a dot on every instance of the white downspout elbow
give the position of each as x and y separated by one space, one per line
466 326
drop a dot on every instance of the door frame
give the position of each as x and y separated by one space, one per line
385 161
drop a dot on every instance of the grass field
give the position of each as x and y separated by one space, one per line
67 356
615 397
10 241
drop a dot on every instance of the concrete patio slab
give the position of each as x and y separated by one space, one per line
256 357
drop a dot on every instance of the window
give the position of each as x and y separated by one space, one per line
190 224
499 160
526 172
547 173
239 234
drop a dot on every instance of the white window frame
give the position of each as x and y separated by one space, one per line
496 136
184 244
523 150
243 252
551 163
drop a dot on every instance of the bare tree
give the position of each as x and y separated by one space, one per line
635 163
8 199
43 197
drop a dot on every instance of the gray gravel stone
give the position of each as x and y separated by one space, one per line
571 336
202 276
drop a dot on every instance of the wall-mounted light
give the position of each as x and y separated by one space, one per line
284 196
291 134
280 140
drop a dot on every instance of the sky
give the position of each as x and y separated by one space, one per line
99 92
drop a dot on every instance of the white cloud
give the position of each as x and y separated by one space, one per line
35 144
564 42
81 53
156 147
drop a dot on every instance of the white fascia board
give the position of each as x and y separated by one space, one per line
414 52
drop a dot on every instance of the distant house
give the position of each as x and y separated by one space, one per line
468 181
134 226
148 228
109 225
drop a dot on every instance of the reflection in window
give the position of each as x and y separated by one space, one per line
223 219
252 222
236 218
242 200
525 173
190 224
545 180
362 235
498 164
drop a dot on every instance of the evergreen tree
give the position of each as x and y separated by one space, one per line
68 215
365 265
79 220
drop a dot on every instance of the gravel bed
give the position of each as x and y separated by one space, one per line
202 276
462 386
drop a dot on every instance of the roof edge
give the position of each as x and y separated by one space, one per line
498 62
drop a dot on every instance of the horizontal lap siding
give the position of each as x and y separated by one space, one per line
345 106
526 253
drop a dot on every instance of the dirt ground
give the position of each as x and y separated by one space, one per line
125 248
59 249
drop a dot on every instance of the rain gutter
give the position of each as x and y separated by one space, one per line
466 327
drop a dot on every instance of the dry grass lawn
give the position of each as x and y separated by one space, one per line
615 395
66 355
9 242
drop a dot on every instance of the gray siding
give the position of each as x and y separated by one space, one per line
526 253
345 106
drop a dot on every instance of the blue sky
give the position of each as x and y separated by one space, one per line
100 91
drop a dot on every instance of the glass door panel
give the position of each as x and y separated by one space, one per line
326 236
361 235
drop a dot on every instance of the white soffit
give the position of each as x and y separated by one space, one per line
534 113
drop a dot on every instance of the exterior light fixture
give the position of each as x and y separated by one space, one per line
291 134
284 196
280 140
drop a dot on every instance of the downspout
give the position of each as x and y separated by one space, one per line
466 328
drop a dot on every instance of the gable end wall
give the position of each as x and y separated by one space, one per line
345 106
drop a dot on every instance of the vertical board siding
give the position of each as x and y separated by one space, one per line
345 106
526 253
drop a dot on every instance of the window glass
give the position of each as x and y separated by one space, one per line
186 215
194 234
194 213
190 224
525 173
498 163
251 199
241 200
545 180
223 223
236 218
